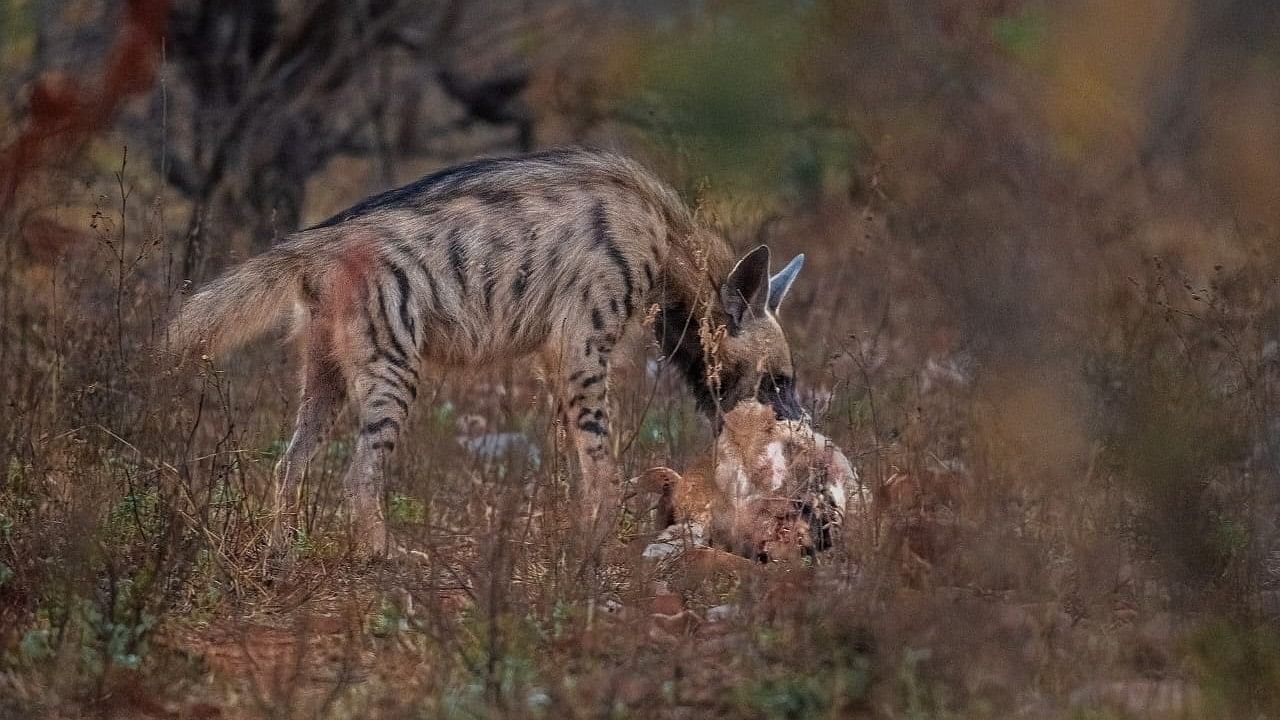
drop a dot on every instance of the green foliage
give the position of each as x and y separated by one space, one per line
135 516
114 640
667 430
405 509
501 655
443 416
841 681
103 632
387 620
1023 34
791 697
726 90
338 450
36 645
17 30
1239 669
302 542
275 450
1176 436
820 666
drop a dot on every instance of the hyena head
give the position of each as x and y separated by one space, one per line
755 357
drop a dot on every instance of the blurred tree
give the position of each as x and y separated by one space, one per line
266 93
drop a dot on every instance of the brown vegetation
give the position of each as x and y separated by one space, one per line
1039 314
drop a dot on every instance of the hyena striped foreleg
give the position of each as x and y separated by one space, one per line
582 363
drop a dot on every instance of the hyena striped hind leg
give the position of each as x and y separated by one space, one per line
324 390
384 388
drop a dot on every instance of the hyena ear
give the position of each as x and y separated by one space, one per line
745 293
779 284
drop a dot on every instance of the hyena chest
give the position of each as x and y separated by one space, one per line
490 290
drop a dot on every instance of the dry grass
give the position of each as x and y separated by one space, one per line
1046 338
1045 542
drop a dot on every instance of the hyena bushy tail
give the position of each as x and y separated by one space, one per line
247 301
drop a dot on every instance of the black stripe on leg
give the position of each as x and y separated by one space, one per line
394 380
594 427
402 284
391 330
391 379
399 366
407 374
381 401
380 352
604 239
409 254
379 425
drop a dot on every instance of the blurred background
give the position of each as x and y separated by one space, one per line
1040 314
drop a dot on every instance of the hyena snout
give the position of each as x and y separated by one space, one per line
784 401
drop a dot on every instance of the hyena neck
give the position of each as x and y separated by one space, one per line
698 266
676 328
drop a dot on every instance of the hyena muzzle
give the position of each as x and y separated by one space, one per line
555 254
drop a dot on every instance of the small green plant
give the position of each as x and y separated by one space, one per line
921 699
36 645
135 516
387 620
792 697
405 509
111 640
1023 34
1239 669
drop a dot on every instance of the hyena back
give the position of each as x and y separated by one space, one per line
555 254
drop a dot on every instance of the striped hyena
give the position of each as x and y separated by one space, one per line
555 254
